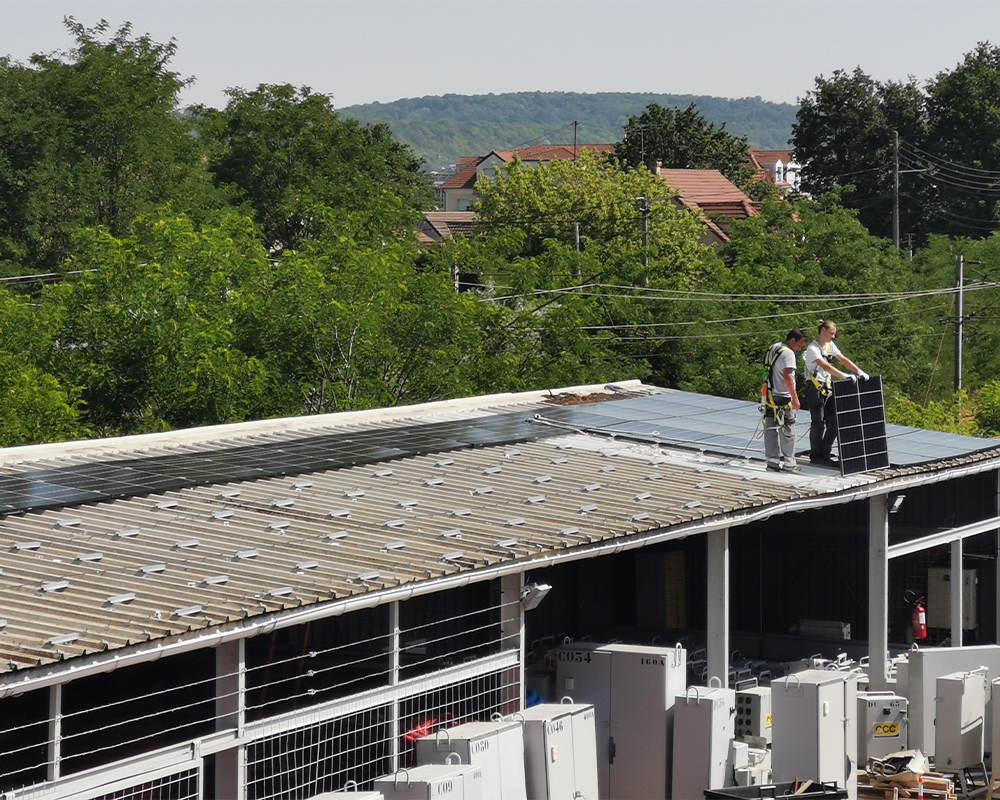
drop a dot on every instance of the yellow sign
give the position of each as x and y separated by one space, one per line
886 729
767 724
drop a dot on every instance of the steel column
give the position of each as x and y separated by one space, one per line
230 714
878 592
717 646
956 593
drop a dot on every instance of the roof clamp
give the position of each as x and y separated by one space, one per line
120 599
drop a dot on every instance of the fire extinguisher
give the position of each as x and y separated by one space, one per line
919 620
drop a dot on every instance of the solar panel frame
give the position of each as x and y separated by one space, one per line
863 443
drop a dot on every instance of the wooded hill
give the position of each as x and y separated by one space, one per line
443 129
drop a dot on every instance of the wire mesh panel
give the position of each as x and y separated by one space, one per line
468 701
363 745
322 757
180 786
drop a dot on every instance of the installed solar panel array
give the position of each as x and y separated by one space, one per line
56 488
862 438
702 422
718 424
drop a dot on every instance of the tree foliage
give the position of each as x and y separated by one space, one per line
683 139
949 157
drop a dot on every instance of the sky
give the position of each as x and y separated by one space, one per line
362 51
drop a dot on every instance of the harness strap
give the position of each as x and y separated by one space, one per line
771 360
824 387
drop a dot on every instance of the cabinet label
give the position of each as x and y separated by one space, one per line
886 729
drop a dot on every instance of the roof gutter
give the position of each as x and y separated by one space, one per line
84 666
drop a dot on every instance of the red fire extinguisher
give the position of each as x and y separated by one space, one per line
919 620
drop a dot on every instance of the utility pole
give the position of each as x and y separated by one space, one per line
576 229
895 190
959 319
644 209
575 124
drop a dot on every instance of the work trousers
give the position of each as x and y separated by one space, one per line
823 422
779 437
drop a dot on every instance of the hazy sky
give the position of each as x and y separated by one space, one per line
361 51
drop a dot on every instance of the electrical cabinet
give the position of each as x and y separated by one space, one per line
560 751
632 689
959 720
814 735
753 713
995 727
451 781
352 794
705 725
881 724
939 598
496 747
928 664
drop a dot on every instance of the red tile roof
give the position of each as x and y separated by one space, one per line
436 226
464 179
708 191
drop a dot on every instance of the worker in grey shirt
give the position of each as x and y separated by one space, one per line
780 402
820 372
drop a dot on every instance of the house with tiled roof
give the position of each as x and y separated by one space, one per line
776 166
459 191
712 196
437 226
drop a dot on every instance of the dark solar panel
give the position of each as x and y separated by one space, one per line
862 438
54 488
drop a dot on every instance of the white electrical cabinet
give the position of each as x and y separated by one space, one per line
753 713
881 724
496 747
995 727
926 665
560 751
632 689
705 726
352 794
814 735
452 781
959 721
939 598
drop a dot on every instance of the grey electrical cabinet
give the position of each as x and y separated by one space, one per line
704 727
882 724
753 713
449 781
814 735
959 724
632 689
926 665
560 751
496 747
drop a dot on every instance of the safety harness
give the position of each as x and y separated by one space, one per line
825 387
767 395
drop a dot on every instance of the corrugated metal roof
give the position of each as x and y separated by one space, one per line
116 574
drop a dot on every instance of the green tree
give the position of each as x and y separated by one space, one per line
683 139
843 136
90 138
286 153
962 153
163 329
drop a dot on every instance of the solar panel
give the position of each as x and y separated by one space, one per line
54 488
862 438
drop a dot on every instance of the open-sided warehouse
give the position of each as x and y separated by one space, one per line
276 608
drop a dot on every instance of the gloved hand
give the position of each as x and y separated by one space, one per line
850 377
862 374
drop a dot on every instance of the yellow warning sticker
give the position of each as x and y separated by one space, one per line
767 723
886 729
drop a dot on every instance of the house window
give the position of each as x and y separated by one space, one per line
464 205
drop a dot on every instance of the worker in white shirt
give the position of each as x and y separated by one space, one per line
820 372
